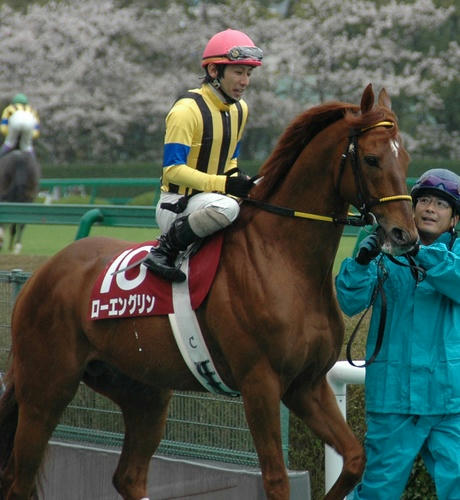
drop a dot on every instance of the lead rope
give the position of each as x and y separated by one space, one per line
382 275
418 273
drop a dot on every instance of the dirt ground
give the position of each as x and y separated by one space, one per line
28 263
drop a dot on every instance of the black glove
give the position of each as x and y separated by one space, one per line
239 186
368 249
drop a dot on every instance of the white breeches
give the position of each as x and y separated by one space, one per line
209 212
21 126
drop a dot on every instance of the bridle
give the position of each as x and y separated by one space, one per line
365 201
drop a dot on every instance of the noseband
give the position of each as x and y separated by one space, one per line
366 202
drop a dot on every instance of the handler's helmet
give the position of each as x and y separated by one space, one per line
20 99
231 47
439 182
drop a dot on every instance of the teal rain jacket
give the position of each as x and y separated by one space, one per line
418 368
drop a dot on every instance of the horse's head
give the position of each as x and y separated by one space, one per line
373 172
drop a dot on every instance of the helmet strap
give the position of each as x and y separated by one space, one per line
453 237
215 83
228 99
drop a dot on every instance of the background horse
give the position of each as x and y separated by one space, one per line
270 321
19 182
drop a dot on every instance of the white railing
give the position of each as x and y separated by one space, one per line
341 374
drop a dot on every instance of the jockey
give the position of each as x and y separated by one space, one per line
20 125
202 142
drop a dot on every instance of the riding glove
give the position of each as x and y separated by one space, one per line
368 249
239 186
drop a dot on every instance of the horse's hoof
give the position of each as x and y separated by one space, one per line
17 248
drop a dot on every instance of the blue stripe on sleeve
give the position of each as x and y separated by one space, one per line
237 150
175 154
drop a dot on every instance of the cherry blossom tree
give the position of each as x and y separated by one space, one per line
104 74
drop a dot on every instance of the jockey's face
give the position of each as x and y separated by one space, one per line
235 79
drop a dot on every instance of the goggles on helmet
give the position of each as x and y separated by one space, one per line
433 181
244 53
441 183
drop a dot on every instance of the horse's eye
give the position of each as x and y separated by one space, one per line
372 160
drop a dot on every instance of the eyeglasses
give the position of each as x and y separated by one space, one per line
242 53
445 184
426 201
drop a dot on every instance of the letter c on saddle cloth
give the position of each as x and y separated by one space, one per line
190 340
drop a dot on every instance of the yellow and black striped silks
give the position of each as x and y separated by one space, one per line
202 141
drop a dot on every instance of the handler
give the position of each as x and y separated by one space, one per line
413 387
20 125
203 134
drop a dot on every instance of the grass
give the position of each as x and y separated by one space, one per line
48 240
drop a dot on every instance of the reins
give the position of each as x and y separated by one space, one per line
365 201
351 220
418 273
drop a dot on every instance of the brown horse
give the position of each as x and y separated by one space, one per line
270 320
19 182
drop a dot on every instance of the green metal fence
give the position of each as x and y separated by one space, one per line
199 425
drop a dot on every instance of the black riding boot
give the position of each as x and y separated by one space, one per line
161 259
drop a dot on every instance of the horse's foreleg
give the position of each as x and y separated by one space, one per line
262 406
318 408
144 411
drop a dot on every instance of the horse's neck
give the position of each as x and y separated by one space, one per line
309 245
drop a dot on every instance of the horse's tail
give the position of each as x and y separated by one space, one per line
8 421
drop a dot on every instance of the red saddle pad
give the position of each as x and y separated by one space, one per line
139 292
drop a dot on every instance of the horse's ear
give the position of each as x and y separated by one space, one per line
367 99
384 99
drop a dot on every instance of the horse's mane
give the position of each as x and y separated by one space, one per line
301 131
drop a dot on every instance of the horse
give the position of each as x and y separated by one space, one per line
270 319
19 182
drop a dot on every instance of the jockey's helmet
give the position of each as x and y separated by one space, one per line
439 182
231 47
20 99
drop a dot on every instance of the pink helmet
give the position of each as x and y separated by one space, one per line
232 47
